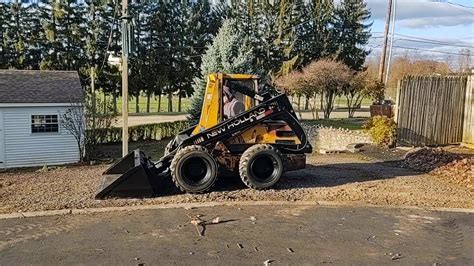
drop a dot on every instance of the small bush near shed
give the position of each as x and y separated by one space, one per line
147 132
382 130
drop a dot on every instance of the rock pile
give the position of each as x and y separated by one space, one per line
334 139
428 159
459 171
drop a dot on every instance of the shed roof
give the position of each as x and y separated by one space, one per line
38 86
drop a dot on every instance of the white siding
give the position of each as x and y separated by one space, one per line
23 148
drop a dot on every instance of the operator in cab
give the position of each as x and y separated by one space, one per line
232 106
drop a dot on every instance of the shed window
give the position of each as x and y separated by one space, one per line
44 124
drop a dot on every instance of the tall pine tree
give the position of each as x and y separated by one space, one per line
315 39
230 52
352 32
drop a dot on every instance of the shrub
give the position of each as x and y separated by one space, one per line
382 130
142 132
87 122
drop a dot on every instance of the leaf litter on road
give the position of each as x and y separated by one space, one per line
268 262
201 224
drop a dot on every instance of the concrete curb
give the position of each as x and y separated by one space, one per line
45 213
216 204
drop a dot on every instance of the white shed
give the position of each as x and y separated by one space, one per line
32 103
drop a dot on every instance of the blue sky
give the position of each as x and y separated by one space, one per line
445 26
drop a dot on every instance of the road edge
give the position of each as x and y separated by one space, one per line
216 204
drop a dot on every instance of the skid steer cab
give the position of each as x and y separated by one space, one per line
245 129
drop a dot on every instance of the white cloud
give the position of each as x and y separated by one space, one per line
436 21
423 13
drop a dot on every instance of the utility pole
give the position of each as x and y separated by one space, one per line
125 77
385 40
392 36
94 110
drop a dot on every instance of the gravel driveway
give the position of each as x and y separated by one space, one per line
340 178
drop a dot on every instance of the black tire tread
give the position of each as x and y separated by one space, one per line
179 154
244 160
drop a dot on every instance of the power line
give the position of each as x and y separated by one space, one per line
418 49
424 39
429 42
112 26
427 50
420 39
461 5
456 7
415 37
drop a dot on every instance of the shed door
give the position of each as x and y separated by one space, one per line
2 142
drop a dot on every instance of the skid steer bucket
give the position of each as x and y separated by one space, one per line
132 177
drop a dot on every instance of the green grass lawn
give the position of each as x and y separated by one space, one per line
339 102
156 113
185 104
347 123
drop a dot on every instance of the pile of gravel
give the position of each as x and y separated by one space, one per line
428 159
459 171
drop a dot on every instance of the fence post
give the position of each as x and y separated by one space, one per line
397 103
468 123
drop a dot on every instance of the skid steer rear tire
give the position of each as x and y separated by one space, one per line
193 169
261 166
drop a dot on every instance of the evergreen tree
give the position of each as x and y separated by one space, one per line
14 41
271 40
108 76
65 25
96 33
70 34
352 32
4 49
48 12
34 35
271 28
315 38
291 15
230 52
172 36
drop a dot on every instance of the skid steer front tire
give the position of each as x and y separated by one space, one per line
193 169
261 166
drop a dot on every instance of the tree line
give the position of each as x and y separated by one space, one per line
171 39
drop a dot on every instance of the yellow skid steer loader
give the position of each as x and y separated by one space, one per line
244 128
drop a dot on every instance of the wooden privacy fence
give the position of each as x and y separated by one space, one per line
468 134
430 110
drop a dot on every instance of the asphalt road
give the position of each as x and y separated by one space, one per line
278 234
150 119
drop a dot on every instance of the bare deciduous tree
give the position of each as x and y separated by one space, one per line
88 124
360 87
293 84
325 77
74 122
329 77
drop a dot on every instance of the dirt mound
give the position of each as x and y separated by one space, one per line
428 159
460 172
